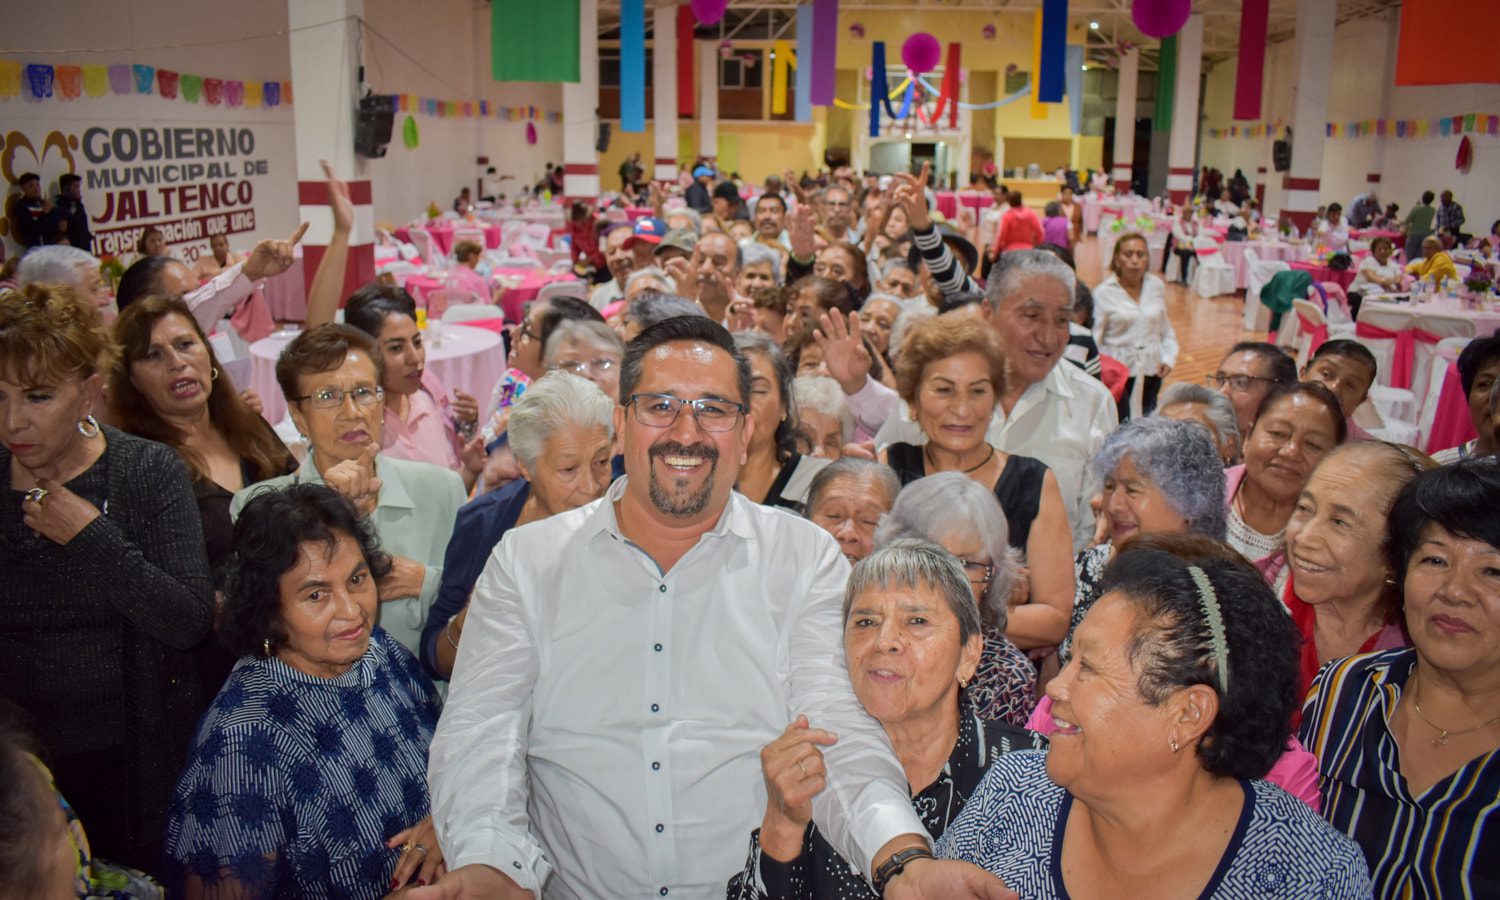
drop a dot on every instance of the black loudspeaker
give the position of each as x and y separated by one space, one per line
372 130
602 145
1281 156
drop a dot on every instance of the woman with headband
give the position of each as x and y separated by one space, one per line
1174 706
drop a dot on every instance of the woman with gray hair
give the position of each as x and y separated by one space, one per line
651 307
70 266
773 473
956 512
1160 475
562 434
912 640
589 349
1187 402
824 423
848 498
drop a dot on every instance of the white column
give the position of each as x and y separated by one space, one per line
708 99
664 91
323 41
1315 19
1182 152
580 111
1387 85
1130 67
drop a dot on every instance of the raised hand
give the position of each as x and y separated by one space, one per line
252 400
465 407
355 480
799 231
911 192
338 201
793 768
272 257
844 351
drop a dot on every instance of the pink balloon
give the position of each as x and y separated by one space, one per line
921 52
1160 18
530 133
709 12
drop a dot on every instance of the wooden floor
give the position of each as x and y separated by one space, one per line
1206 329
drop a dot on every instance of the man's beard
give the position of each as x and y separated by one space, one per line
694 503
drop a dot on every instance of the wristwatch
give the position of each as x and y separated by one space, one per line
897 864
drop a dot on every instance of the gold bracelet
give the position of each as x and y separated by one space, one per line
448 631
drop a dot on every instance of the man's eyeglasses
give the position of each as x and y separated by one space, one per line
601 366
1238 382
979 573
660 411
333 398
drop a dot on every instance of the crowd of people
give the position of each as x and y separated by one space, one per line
809 557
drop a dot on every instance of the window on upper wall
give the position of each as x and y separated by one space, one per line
737 72
609 67
1016 81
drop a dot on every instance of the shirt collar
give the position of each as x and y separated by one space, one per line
601 516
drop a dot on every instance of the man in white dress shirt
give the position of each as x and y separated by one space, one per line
624 663
1056 413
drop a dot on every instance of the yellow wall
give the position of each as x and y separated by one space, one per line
753 149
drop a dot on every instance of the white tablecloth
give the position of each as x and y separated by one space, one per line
471 359
1234 254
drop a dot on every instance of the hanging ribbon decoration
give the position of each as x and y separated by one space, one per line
785 60
1074 81
825 48
1051 77
1250 70
803 99
633 66
948 96
906 101
1038 109
880 94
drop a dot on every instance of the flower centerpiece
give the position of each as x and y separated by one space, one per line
433 211
1479 282
112 270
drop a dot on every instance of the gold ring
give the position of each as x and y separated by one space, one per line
802 767
37 495
406 847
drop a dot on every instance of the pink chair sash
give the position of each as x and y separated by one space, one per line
1319 333
1406 348
1451 424
1207 251
252 318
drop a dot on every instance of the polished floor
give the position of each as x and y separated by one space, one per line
1206 329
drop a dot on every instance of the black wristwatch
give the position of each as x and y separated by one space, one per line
897 864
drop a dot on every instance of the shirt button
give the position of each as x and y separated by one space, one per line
655 708
659 829
658 648
663 892
656 767
663 589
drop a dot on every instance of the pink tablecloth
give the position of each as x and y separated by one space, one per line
286 294
1451 423
471 359
638 212
1370 234
1322 273
948 202
521 287
442 235
1233 253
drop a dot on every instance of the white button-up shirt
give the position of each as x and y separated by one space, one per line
1061 420
605 719
1138 333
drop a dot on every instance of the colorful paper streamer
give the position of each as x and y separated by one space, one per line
145 78
252 95
234 93
803 99
780 73
10 78
532 41
1166 84
120 79
95 81
192 87
825 45
1051 74
70 82
1074 79
166 83
633 66
39 79
1250 71
880 94
213 91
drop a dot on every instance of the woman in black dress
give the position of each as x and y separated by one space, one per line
774 473
950 373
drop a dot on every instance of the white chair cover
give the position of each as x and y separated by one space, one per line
1215 276
563 289
421 238
468 312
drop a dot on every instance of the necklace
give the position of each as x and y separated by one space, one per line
1442 739
927 452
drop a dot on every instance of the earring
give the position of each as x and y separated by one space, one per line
213 374
1174 745
266 646
963 683
90 422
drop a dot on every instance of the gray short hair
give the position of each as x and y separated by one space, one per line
1220 412
1016 266
823 394
911 564
652 307
951 504
640 275
54 264
692 216
1180 459
853 468
752 252
583 331
891 265
556 400
909 318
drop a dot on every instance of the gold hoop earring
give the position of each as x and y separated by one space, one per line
90 422
213 374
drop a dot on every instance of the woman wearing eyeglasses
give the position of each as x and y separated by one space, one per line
331 376
589 350
773 473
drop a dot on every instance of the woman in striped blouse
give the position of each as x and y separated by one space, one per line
1407 739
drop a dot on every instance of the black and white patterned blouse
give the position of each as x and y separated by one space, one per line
1088 574
1004 685
820 872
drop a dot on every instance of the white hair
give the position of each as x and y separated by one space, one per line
910 317
753 252
640 275
1016 266
556 400
582 331
55 264
823 394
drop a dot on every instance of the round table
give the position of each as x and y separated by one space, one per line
1234 254
521 286
470 359
442 234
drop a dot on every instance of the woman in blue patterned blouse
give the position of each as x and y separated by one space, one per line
1408 741
308 774
1177 701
